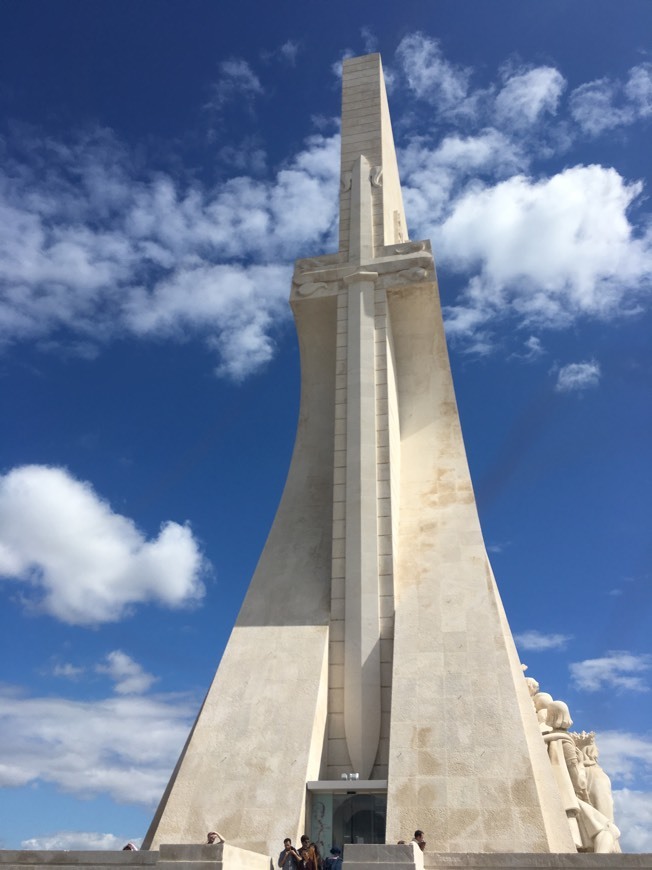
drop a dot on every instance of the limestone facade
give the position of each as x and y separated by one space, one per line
372 638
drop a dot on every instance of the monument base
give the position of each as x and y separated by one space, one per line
356 857
535 861
221 856
409 857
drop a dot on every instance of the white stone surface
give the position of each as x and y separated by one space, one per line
192 858
259 735
368 856
373 607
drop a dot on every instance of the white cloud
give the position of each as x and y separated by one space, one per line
124 746
523 99
527 96
337 65
626 757
488 151
288 51
533 349
633 814
68 671
545 252
369 40
534 346
91 245
250 301
129 676
578 376
78 840
498 546
88 245
638 89
84 563
616 670
433 176
245 156
237 81
430 76
606 103
537 640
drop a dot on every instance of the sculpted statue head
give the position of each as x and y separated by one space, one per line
591 751
558 716
542 701
532 686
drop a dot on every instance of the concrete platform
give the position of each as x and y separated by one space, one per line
366 857
356 857
169 857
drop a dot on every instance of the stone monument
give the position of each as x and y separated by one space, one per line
370 685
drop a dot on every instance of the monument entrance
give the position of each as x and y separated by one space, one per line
347 812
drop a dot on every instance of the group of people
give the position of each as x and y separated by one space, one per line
307 856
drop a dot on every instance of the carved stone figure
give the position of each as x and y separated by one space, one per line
541 701
598 784
532 686
584 787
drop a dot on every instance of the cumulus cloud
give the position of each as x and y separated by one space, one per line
128 675
121 746
434 176
78 840
540 251
90 245
545 252
605 104
80 561
538 641
578 376
94 246
616 670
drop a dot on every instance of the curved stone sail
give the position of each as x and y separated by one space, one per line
372 640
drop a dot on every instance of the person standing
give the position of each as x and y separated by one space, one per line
419 840
334 860
289 859
309 854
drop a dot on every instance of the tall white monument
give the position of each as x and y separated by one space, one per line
372 643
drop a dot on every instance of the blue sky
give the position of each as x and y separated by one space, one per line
162 165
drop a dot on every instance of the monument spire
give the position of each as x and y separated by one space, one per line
367 151
367 132
372 642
